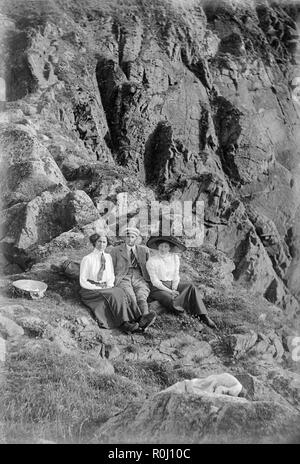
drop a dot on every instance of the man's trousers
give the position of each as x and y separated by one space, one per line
137 290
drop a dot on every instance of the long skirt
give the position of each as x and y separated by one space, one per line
189 298
109 305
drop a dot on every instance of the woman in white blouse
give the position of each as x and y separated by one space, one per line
108 303
166 286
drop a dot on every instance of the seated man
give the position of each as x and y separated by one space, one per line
129 260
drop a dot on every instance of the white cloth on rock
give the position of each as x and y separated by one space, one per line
219 384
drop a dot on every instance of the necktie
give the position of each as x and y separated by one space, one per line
133 260
102 268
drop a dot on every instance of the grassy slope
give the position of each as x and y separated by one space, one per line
57 393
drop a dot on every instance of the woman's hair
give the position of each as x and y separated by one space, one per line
95 237
165 241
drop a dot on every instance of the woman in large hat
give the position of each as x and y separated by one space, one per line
108 303
166 287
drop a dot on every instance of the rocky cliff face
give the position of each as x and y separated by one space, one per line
173 101
166 100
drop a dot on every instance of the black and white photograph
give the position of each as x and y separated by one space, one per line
149 225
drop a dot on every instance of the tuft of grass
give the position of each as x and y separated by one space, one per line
153 375
59 396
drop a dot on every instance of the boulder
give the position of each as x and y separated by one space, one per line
27 168
170 417
287 384
241 343
47 216
258 390
255 344
9 329
268 346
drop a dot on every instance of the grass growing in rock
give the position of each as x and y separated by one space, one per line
153 375
59 396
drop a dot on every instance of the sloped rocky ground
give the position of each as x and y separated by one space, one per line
171 101
54 350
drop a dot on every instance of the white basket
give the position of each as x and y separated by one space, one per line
33 289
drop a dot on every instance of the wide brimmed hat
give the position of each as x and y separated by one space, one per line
153 243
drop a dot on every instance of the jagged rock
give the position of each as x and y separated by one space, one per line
267 345
47 216
169 417
241 343
27 169
9 328
257 390
275 247
198 111
65 241
278 294
287 384
208 266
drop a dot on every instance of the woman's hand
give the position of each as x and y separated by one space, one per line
174 293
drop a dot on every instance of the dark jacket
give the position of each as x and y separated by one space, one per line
121 260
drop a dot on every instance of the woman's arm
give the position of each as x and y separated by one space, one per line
83 279
151 268
176 279
110 276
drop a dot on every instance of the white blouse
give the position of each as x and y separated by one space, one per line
89 268
164 268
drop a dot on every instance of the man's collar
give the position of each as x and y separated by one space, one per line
133 247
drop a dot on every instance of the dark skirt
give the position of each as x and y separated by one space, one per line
109 305
189 298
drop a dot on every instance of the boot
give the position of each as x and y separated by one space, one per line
178 310
129 327
146 320
207 321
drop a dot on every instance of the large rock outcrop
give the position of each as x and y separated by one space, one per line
169 417
192 100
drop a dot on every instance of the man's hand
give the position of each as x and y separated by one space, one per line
175 293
